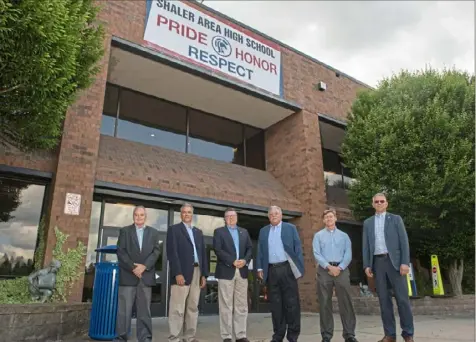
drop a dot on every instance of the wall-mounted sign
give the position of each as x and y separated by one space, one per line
72 204
182 29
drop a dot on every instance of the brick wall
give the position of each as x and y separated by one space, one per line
41 160
75 170
79 147
293 150
176 172
463 305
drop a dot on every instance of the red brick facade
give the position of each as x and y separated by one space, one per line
294 176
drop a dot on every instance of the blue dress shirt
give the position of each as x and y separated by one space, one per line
140 235
190 233
380 245
236 240
275 245
332 246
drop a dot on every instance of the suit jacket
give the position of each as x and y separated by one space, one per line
225 251
180 253
396 239
292 247
129 252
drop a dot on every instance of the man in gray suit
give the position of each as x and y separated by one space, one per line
386 254
137 253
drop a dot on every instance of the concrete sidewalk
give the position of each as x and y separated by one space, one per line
369 329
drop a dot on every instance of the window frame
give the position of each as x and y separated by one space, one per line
47 195
187 126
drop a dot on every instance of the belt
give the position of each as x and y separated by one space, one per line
195 264
334 263
381 255
279 264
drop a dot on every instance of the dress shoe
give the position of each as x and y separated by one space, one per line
408 338
351 339
388 339
227 340
244 339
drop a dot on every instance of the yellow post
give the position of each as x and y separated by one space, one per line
410 292
436 277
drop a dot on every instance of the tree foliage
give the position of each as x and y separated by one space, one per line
413 138
48 52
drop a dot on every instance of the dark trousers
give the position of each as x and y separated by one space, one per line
387 277
141 295
325 287
284 302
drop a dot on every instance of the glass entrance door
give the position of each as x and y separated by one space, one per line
159 291
209 295
257 289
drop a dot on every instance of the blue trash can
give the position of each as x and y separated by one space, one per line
102 325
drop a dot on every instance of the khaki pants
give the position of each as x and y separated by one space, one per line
233 306
183 309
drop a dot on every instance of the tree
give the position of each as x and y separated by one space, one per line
413 138
48 52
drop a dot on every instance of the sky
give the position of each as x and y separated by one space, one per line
368 40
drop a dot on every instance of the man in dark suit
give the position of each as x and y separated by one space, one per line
386 254
188 267
137 253
233 249
280 263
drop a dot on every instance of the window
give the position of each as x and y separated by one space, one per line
91 252
110 111
216 138
142 118
356 267
21 204
336 176
151 121
254 140
119 215
207 223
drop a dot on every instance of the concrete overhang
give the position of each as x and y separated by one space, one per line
154 73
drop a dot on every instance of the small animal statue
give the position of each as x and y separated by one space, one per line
43 282
364 291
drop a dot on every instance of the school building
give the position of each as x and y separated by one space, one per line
190 106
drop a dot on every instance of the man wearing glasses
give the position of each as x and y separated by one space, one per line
386 255
233 248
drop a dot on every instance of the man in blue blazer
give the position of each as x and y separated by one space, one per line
386 255
233 247
188 267
280 263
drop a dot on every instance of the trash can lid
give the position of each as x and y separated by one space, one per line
111 249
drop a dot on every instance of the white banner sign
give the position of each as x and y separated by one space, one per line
181 29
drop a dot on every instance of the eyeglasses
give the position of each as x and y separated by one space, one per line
379 202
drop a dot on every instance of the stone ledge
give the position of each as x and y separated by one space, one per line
44 322
462 306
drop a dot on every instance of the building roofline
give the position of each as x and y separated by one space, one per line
331 119
274 40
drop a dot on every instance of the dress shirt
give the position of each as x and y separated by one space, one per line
380 245
236 240
140 235
332 246
275 245
190 233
